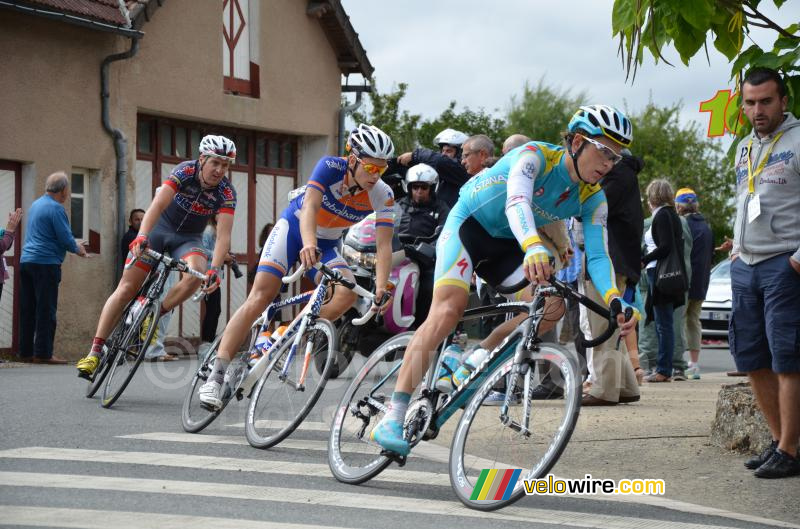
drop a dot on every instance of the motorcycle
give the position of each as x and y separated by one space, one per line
359 250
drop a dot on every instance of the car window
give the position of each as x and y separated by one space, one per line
722 271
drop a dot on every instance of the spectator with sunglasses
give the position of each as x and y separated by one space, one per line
340 193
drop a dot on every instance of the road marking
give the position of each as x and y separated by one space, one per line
212 463
294 444
91 519
305 425
328 498
318 470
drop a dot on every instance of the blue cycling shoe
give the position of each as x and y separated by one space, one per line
389 434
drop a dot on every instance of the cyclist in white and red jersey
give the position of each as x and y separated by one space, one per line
340 193
174 223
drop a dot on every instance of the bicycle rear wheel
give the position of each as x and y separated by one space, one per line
130 352
277 407
351 456
483 442
194 415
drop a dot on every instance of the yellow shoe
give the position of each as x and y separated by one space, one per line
145 327
87 366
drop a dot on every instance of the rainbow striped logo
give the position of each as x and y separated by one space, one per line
495 484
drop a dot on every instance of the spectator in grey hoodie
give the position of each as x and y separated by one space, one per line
764 331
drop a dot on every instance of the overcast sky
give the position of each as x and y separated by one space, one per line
480 53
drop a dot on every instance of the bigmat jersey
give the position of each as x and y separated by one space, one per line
530 186
340 209
192 206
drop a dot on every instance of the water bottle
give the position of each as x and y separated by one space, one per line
136 308
264 341
451 359
473 361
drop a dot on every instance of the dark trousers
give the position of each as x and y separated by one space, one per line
211 318
424 295
38 304
664 329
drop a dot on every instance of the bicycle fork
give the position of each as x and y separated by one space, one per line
518 370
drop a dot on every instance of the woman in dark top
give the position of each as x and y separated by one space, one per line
664 237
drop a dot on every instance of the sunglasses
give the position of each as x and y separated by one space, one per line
607 153
371 168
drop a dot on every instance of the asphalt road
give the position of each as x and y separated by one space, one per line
66 462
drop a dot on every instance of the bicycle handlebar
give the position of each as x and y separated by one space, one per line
610 313
336 276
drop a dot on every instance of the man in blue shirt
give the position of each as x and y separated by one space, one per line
48 237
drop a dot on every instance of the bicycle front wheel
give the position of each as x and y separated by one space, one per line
351 456
104 367
195 416
129 353
278 406
486 445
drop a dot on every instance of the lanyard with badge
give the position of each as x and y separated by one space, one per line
754 206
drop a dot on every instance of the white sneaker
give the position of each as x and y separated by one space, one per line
209 394
693 373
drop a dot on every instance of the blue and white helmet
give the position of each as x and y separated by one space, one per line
422 173
603 120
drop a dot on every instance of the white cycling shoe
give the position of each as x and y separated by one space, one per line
209 394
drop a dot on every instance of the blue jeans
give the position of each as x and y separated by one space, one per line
664 329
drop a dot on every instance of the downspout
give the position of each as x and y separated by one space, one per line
120 143
343 113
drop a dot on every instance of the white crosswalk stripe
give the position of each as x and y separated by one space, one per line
363 499
334 499
211 463
91 519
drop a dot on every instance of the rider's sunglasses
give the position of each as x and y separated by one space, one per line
371 168
607 153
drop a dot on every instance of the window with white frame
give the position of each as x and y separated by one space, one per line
84 210
240 47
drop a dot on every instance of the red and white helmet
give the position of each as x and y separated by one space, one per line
218 147
369 140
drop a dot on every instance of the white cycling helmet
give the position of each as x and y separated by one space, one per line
422 173
218 147
450 137
603 120
368 140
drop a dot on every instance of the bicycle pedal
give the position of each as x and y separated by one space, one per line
86 376
397 458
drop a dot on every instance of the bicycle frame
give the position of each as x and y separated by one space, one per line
294 332
524 339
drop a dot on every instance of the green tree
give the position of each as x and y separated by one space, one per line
685 157
468 121
542 113
384 112
688 24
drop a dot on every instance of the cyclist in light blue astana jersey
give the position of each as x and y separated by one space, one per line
492 230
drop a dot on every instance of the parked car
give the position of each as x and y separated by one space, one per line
716 310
